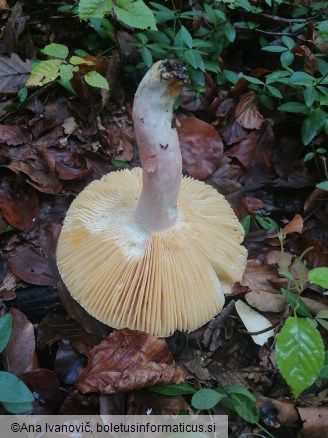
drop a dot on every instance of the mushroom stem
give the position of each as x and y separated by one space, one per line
158 144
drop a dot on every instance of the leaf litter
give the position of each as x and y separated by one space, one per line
53 147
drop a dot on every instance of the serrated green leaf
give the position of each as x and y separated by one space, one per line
180 389
96 80
66 72
94 8
319 276
206 399
135 14
5 330
77 60
44 72
13 390
323 185
230 32
313 125
18 408
299 353
294 107
56 50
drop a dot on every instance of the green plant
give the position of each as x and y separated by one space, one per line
15 396
59 67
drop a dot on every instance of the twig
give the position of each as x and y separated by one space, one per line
245 332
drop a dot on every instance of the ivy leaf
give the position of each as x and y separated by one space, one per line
206 398
299 353
319 276
94 8
44 72
56 50
181 388
96 80
13 390
135 14
5 330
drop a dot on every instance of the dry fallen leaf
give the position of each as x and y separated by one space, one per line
258 276
247 113
201 147
266 301
127 360
315 422
19 355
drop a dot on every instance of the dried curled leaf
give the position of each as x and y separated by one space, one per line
247 114
128 360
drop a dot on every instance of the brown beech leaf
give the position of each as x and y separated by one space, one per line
247 113
127 360
315 422
258 276
255 148
20 209
311 63
32 266
266 301
13 135
201 147
19 355
46 388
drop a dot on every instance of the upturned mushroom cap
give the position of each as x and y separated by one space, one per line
158 282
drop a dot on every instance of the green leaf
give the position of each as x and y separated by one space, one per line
195 59
13 390
310 95
119 164
274 91
299 353
77 60
206 399
246 223
22 94
253 80
294 107
230 32
94 8
180 389
323 185
96 80
319 276
296 302
286 58
66 72
18 408
245 408
185 36
147 56
289 42
135 14
313 124
301 78
324 369
266 222
44 72
309 156
5 330
274 49
55 50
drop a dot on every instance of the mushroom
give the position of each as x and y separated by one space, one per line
147 248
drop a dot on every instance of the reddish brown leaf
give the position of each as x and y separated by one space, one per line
247 113
201 147
20 209
13 135
258 276
19 355
79 404
57 327
266 301
128 360
255 148
311 63
314 422
46 389
32 266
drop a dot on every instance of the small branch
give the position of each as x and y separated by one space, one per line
245 332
